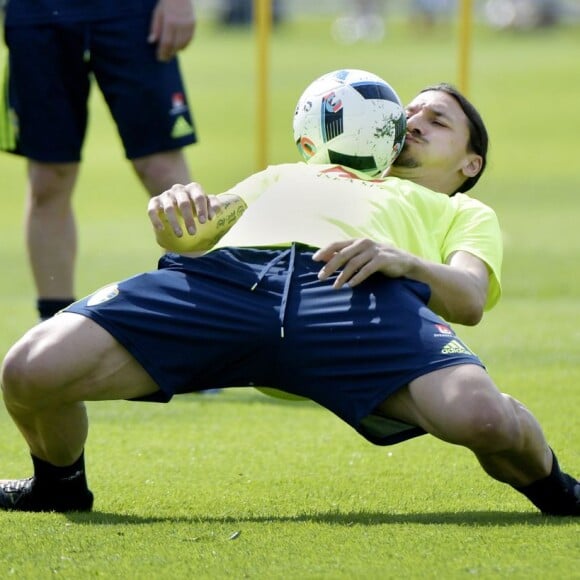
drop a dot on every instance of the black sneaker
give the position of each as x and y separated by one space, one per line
575 508
26 495
572 508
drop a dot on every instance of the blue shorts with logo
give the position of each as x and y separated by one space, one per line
50 73
261 317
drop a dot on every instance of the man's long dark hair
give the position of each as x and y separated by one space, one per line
478 137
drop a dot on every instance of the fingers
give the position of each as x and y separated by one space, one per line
326 253
153 213
354 260
179 206
155 27
347 256
335 257
356 272
173 39
172 27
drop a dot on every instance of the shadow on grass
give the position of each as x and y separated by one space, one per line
468 518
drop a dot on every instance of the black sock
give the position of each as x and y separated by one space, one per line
48 307
557 494
53 475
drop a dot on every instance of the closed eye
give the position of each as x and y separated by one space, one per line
441 119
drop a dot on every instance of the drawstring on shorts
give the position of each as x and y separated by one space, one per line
291 254
87 43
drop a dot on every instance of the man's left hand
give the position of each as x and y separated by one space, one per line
359 259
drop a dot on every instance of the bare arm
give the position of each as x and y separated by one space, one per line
187 220
172 27
458 288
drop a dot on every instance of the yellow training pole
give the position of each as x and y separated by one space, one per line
465 21
263 24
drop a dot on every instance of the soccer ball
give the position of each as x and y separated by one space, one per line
350 117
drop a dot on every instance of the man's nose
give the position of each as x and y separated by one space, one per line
414 124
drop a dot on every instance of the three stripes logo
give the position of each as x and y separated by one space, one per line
455 347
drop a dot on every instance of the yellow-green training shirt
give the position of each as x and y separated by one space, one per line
320 204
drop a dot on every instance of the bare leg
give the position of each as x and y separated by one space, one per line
160 171
51 234
50 227
529 461
52 369
462 406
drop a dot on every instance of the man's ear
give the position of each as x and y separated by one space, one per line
472 166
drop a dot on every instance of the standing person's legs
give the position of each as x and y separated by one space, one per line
48 87
51 235
147 99
160 171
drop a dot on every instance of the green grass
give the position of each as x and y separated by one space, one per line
308 497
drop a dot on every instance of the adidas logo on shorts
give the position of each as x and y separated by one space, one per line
455 347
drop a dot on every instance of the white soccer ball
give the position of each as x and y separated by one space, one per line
350 117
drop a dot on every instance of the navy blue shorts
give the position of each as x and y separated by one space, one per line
50 73
246 317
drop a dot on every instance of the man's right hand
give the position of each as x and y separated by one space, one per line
187 220
187 202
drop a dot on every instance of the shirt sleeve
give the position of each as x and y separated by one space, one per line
475 229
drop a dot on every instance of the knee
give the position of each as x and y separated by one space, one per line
51 182
148 167
489 423
22 375
162 170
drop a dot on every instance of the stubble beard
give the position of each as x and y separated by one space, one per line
406 159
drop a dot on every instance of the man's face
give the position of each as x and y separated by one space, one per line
437 134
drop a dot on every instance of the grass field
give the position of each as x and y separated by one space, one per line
243 486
